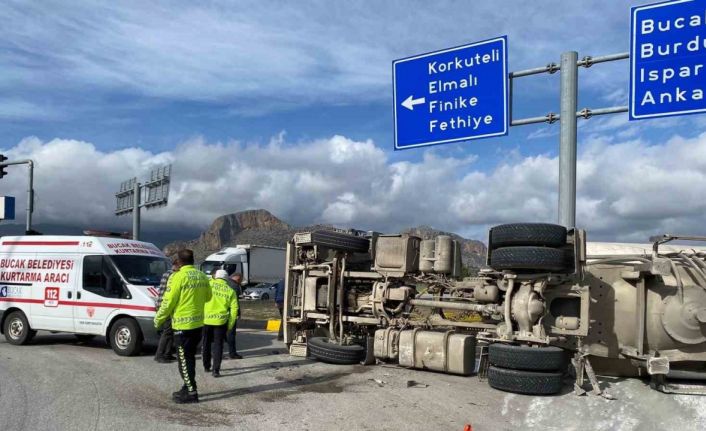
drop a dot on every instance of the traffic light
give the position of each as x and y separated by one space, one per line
2 168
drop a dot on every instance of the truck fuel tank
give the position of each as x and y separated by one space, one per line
448 352
386 344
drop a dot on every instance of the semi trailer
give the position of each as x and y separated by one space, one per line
256 263
547 306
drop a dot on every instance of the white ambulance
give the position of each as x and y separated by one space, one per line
86 285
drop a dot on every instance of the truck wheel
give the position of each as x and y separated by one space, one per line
324 350
524 382
17 330
532 258
527 358
265 297
534 234
125 337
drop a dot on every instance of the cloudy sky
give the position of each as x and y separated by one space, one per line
287 106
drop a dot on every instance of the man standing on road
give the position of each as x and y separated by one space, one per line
188 291
166 337
279 301
221 314
236 278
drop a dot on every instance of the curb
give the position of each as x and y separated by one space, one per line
267 325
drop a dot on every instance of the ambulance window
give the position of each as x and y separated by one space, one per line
100 278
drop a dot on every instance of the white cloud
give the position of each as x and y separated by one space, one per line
259 55
627 190
18 109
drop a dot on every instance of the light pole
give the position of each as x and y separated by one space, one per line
130 197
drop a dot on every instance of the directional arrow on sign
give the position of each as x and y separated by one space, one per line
411 101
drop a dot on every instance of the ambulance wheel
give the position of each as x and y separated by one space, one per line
17 330
125 337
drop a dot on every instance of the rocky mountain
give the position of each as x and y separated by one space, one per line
262 228
246 227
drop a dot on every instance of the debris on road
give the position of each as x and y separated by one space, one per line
379 382
416 384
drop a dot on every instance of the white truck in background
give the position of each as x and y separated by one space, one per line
257 263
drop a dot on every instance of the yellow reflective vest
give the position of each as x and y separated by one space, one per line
223 306
188 291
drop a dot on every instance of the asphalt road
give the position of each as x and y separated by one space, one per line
59 384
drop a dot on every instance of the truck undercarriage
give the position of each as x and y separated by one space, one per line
545 296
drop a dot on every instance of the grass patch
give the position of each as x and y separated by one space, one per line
258 310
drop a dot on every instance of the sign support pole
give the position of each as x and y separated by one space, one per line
30 196
567 145
136 212
129 197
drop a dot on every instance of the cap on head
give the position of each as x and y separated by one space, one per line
221 273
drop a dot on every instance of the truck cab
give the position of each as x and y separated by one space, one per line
257 263
231 259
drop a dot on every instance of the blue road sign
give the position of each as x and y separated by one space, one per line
668 59
7 208
452 95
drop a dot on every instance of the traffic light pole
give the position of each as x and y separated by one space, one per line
30 189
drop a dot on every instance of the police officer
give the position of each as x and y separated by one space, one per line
188 291
221 313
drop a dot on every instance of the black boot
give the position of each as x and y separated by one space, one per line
180 393
189 397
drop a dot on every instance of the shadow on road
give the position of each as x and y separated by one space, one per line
267 351
302 384
263 342
228 372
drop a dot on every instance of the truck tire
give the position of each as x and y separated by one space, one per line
527 358
126 337
324 350
265 297
530 258
532 234
17 329
524 382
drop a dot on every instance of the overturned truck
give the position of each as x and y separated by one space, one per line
548 305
